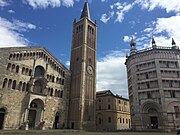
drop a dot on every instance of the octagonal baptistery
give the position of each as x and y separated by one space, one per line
154 87
34 89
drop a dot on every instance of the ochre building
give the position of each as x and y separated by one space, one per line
112 112
154 87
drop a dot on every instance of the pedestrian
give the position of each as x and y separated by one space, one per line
177 131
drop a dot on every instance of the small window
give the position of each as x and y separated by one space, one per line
109 119
14 85
176 110
109 106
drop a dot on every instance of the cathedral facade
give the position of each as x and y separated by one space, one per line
154 87
38 92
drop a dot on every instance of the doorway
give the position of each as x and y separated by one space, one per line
57 123
32 118
154 122
2 114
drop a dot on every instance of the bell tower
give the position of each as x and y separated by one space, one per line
83 72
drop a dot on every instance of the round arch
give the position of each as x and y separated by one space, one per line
36 108
39 71
2 116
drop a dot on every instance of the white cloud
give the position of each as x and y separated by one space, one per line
168 5
11 11
127 39
3 3
122 8
105 18
49 3
163 30
67 63
111 73
11 33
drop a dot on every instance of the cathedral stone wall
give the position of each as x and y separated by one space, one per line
34 88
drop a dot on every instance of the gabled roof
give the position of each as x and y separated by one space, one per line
34 48
109 93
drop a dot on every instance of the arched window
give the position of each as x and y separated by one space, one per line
5 83
20 86
13 68
14 85
56 93
30 72
24 86
9 83
59 93
17 69
27 70
27 87
51 94
63 74
53 79
10 56
62 81
20 57
61 96
57 79
23 70
39 71
9 66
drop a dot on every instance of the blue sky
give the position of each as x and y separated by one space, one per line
48 23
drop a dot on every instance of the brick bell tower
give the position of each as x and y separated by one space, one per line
83 69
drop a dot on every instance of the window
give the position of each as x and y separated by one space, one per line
9 83
109 106
61 96
9 66
148 94
99 107
24 86
23 70
17 69
100 121
39 71
20 86
5 82
172 93
123 120
109 119
14 85
176 110
120 120
51 92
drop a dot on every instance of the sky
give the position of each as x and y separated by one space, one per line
48 23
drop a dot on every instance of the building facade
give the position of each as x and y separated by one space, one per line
33 89
38 92
154 87
112 112
83 69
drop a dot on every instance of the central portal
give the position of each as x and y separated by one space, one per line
154 122
32 118
35 111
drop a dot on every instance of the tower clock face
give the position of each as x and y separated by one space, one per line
90 70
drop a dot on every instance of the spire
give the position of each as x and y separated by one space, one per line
133 47
173 42
153 41
132 42
85 12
